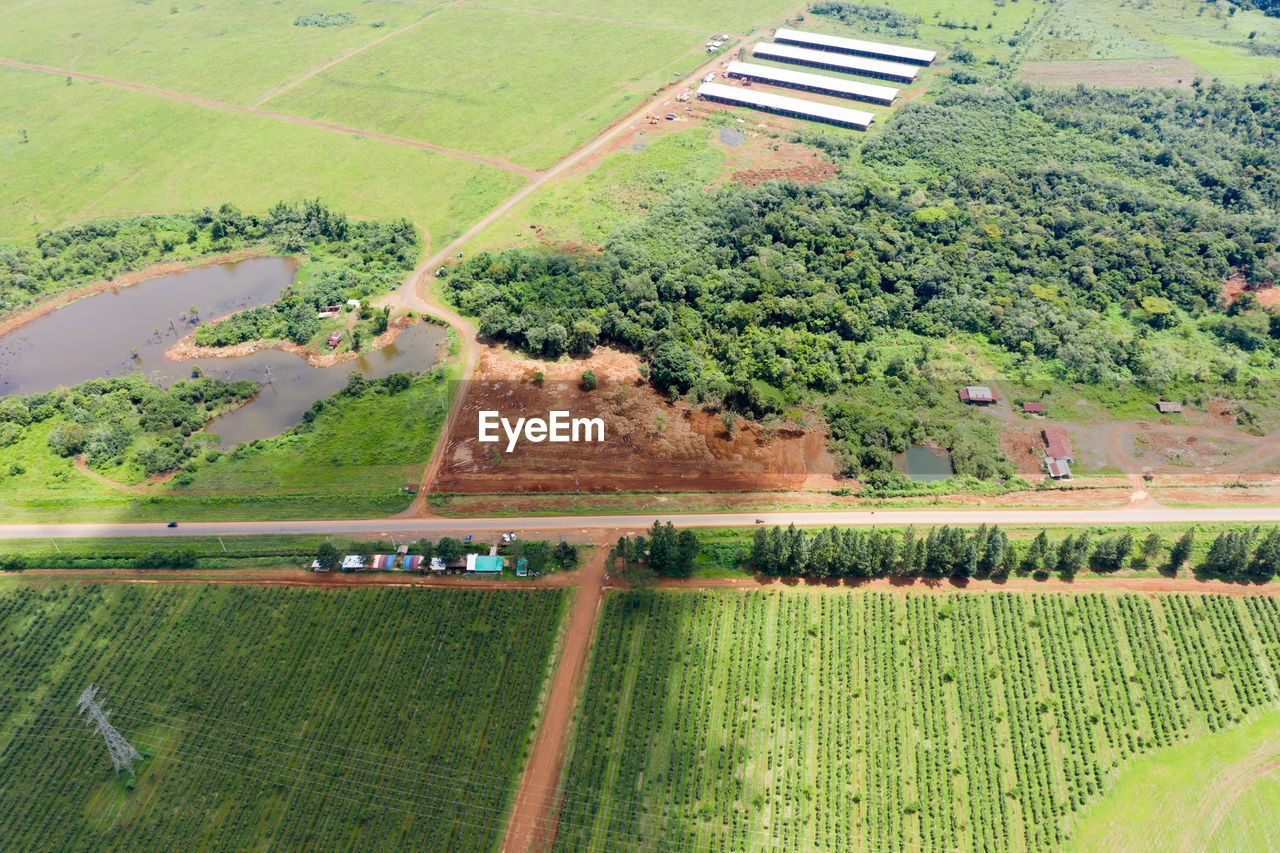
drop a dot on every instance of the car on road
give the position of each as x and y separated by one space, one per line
172 524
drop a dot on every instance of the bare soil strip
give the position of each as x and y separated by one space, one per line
219 105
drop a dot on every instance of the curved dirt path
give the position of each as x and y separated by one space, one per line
417 295
235 108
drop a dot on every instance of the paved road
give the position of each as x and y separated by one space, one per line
594 523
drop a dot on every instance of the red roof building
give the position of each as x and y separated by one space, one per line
1034 408
979 394
1057 445
1058 468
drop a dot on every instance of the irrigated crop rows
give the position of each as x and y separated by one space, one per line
875 721
270 717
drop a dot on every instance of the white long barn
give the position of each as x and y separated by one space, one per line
820 83
899 72
783 105
857 47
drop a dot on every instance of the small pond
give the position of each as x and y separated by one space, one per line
95 336
924 464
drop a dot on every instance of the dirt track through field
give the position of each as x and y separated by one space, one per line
320 69
533 820
553 14
1222 793
219 105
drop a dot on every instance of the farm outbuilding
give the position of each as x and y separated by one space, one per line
819 83
353 563
783 105
483 565
1058 468
977 394
897 71
1169 407
857 47
1057 445
1033 408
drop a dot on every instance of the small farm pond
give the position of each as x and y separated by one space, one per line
95 336
924 464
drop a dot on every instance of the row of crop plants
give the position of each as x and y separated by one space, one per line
293 719
868 721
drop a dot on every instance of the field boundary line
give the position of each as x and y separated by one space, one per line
325 66
324 125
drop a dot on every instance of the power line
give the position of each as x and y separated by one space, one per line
122 753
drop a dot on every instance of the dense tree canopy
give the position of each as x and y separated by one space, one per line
1065 226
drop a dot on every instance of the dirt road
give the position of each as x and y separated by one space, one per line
532 825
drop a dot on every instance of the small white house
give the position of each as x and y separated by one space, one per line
352 563
353 303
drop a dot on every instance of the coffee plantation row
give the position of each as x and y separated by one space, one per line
881 721
268 718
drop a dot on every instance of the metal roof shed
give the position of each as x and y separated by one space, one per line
820 83
483 565
783 105
857 47
896 71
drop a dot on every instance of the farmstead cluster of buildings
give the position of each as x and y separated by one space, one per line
889 62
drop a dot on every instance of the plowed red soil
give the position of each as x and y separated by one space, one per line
651 444
1268 297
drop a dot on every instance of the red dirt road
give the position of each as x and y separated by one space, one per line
533 821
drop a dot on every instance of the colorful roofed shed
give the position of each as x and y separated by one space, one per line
483 565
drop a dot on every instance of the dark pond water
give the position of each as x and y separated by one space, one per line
924 464
94 337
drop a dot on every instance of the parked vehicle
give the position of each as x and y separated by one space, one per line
172 524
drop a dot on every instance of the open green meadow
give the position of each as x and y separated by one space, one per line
530 88
94 150
269 718
1217 793
883 721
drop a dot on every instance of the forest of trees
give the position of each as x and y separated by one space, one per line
1070 228
350 259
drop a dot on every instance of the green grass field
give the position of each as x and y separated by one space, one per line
1217 793
162 155
978 722
527 87
269 718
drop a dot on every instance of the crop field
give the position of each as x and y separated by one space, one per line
893 722
268 718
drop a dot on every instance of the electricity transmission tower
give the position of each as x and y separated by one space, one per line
122 753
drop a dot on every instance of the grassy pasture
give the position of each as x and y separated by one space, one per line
527 87
95 150
1212 794
270 718
236 50
705 17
